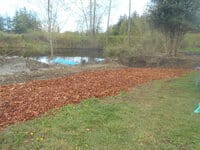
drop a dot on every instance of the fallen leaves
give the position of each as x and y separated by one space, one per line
20 102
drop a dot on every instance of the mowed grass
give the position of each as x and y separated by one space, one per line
158 115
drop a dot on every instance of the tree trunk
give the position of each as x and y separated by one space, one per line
90 30
108 22
129 23
179 38
171 47
85 15
94 19
50 27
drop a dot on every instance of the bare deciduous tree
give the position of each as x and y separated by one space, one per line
90 16
50 21
94 19
129 23
108 21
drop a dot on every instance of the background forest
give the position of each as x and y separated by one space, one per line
151 33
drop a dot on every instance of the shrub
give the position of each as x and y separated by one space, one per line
36 49
191 42
145 45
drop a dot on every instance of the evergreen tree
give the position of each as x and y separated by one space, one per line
25 21
2 23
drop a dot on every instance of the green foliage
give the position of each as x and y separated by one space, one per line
148 45
24 22
1 23
37 43
174 18
160 118
143 43
191 42
11 44
36 49
8 25
41 37
10 38
173 15
117 51
30 44
76 40
143 40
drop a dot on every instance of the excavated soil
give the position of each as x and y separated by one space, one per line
24 101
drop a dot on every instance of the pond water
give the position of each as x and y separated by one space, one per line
64 60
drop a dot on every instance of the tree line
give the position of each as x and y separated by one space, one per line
23 21
172 18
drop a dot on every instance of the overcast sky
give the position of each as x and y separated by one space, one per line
8 8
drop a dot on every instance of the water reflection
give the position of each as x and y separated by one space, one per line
68 60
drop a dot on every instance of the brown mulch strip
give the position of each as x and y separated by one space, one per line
21 102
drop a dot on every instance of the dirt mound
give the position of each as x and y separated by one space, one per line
13 65
20 102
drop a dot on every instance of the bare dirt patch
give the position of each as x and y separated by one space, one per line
24 101
20 70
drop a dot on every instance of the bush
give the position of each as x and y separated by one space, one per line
146 45
69 40
191 42
36 37
36 49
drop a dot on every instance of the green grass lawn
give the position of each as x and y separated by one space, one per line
158 115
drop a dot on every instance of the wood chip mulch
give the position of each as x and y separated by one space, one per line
25 101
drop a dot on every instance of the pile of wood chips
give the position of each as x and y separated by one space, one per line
24 101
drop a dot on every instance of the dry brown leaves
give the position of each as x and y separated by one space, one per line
20 102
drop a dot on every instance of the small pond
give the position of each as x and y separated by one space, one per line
65 60
73 57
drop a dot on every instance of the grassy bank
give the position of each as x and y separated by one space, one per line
36 43
191 42
154 116
148 44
